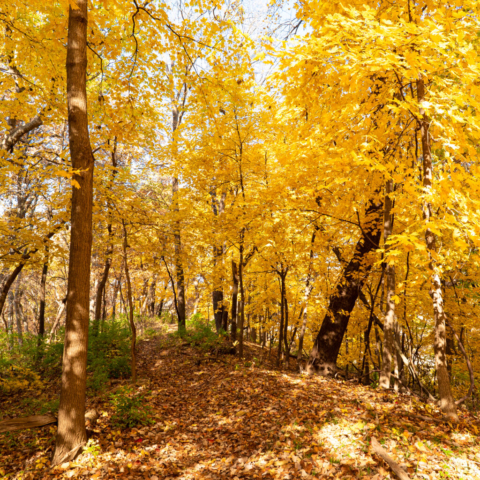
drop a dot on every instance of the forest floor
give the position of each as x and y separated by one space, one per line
216 417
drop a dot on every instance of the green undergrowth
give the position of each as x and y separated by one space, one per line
27 364
200 333
130 409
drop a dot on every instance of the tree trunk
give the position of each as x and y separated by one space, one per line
447 403
282 317
71 433
130 307
41 313
102 282
241 303
389 328
151 298
323 357
179 264
303 312
8 283
18 314
234 300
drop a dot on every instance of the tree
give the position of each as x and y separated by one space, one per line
71 434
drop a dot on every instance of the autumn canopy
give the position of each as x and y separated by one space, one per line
302 176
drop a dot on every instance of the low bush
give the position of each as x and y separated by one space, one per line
130 409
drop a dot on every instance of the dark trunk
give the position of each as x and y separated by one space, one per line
323 357
234 301
102 283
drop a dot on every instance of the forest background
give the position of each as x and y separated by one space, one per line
303 177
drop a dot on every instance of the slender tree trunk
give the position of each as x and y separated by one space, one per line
179 264
151 298
18 314
323 357
308 291
71 433
130 307
102 282
41 313
447 403
241 303
234 300
53 331
282 317
390 321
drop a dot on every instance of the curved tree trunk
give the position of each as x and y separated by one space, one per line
323 357
71 433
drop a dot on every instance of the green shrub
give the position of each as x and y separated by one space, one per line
130 410
199 332
109 353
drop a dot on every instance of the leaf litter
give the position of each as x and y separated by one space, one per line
219 417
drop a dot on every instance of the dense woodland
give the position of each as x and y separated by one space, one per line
295 179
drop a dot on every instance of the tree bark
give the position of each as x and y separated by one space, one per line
389 321
241 303
323 357
41 313
130 307
102 282
71 433
179 264
8 283
234 300
308 291
447 404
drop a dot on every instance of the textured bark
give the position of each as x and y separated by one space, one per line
71 433
323 356
447 403
389 321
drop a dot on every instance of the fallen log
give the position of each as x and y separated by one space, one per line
380 451
26 422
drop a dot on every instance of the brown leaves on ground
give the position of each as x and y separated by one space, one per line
222 418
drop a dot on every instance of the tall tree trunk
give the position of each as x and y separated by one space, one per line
130 307
234 300
71 433
179 264
241 303
41 313
389 327
282 316
447 403
308 291
218 207
217 294
323 357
